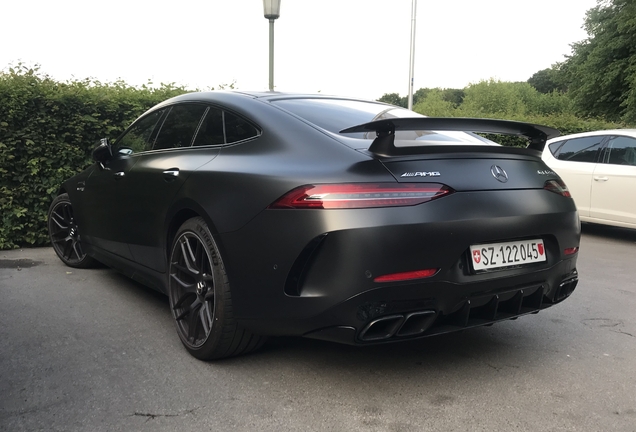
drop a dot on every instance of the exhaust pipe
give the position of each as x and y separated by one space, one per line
382 328
417 323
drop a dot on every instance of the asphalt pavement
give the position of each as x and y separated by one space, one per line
90 350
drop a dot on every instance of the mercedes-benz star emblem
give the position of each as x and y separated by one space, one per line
499 173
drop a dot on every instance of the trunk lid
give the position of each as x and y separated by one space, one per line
472 168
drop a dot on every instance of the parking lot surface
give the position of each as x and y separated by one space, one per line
90 350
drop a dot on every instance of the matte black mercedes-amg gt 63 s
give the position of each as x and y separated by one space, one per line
344 220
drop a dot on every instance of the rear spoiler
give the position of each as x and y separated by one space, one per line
384 144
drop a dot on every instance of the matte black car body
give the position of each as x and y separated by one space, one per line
311 272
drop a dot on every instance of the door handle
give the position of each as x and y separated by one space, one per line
119 174
601 179
171 174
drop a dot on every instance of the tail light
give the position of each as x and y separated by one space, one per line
397 277
360 195
558 187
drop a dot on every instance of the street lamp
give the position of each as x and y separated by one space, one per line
412 61
271 10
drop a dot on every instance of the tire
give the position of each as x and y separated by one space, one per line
201 299
64 234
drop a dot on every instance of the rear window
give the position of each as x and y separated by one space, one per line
335 115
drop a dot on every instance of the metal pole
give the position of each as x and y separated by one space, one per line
412 61
271 55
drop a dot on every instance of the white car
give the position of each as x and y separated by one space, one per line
599 168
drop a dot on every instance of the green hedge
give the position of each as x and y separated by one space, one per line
47 132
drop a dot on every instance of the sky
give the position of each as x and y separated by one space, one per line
356 48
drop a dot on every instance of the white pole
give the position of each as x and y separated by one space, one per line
412 62
271 55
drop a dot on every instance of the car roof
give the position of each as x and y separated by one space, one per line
263 95
629 132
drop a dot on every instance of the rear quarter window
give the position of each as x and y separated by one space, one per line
578 149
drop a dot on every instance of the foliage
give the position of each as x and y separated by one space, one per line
454 96
510 101
601 71
434 105
549 80
393 99
47 132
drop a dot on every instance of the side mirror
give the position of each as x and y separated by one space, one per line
103 152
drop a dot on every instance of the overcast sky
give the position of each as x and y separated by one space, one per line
344 47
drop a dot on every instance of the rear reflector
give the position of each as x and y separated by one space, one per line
360 195
558 187
571 251
397 277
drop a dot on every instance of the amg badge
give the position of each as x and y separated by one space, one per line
421 174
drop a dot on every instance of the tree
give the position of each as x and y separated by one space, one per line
434 105
393 99
548 80
601 71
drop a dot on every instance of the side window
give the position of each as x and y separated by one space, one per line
555 147
622 151
180 126
211 131
580 149
221 127
237 129
138 137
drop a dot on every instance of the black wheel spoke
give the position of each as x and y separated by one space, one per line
182 315
198 254
67 250
183 299
59 220
178 266
194 322
209 295
60 235
68 216
203 315
188 257
77 249
181 282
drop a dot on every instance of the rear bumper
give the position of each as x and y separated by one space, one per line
311 273
473 310
404 312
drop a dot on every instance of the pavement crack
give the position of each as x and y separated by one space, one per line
493 366
152 416
623 332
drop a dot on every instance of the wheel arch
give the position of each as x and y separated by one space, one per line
181 212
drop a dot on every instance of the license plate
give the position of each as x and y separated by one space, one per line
495 255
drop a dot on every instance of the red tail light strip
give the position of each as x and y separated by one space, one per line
360 195
571 251
397 277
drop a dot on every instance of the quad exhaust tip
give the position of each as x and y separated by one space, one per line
411 324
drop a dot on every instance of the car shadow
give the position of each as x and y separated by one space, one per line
475 353
616 233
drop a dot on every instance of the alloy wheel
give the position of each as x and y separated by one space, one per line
65 235
192 289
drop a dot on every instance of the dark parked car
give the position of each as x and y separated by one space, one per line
344 220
